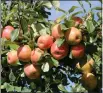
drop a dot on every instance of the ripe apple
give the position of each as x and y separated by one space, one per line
45 41
6 32
77 20
59 52
89 80
78 51
73 36
57 32
86 66
31 71
12 57
24 53
36 55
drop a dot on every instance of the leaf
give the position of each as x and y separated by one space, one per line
24 25
47 4
25 89
14 34
72 9
76 13
61 10
54 62
12 45
11 76
45 67
59 19
63 27
56 4
62 88
96 8
17 89
60 41
90 26
33 85
9 88
69 23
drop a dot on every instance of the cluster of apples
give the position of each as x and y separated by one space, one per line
73 38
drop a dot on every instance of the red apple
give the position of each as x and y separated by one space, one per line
12 57
57 32
78 51
36 55
73 36
31 71
59 52
77 20
24 53
6 32
45 41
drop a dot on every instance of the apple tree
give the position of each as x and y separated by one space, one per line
49 56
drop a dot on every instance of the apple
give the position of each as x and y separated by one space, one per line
86 66
59 52
31 71
78 51
73 36
24 53
45 41
57 32
12 57
77 20
89 80
6 32
36 55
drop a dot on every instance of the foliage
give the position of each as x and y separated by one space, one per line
30 20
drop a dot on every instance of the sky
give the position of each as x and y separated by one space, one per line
66 5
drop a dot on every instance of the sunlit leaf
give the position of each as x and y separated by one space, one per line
60 41
14 34
62 88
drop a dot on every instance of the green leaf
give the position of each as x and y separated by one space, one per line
69 23
90 26
47 4
72 9
24 25
97 8
33 85
25 89
60 41
11 76
76 13
99 14
9 88
63 27
55 62
45 67
12 45
62 88
17 89
61 10
56 4
14 34
59 19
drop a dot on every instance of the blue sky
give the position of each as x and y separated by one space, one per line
66 5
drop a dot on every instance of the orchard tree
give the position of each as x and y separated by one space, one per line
40 55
